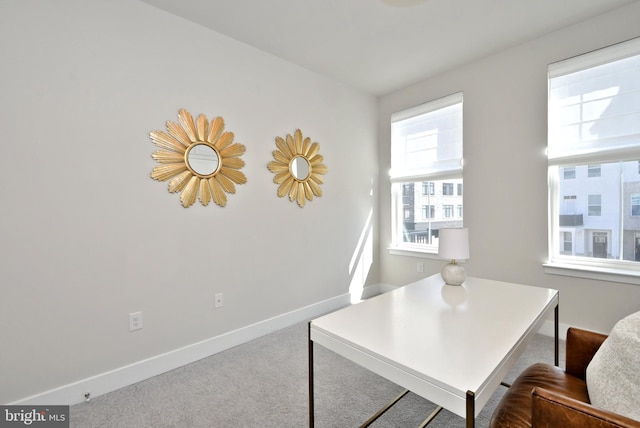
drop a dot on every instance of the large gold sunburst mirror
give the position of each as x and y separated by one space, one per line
298 168
199 158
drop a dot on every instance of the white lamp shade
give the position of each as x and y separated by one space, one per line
453 244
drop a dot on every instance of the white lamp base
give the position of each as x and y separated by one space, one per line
453 273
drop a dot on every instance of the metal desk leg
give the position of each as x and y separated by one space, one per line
557 341
471 409
380 412
430 417
311 401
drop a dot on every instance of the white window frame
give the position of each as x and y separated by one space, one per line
435 171
624 271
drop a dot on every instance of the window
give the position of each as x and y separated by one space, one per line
593 171
428 211
426 156
567 242
635 204
447 189
569 205
595 205
594 152
428 188
569 173
447 211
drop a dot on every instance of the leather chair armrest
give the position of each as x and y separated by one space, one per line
582 345
551 410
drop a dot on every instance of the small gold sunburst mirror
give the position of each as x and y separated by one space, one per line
199 158
298 168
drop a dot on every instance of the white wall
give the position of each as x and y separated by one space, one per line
86 236
505 187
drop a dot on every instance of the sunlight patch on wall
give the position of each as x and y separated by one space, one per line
361 261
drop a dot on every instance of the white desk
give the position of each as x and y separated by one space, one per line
451 345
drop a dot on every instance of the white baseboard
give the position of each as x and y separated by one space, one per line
103 383
387 287
370 291
375 289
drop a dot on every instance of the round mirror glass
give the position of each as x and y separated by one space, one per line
203 159
300 168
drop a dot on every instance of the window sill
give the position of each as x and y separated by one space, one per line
414 252
599 273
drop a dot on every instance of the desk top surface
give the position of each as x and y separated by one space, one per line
454 337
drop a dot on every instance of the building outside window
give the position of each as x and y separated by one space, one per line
569 173
447 189
567 242
635 204
447 211
408 214
428 211
594 152
428 188
426 157
595 205
594 171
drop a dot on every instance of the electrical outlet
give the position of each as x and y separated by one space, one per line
135 321
219 300
420 267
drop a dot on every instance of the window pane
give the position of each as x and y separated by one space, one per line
595 205
594 171
569 173
593 151
447 189
567 243
429 212
426 172
428 188
605 224
635 204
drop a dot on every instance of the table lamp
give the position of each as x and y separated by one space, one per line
453 244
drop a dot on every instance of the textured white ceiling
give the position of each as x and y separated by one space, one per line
379 46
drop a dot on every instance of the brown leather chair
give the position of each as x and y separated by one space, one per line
547 396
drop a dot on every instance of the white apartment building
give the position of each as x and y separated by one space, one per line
429 206
600 210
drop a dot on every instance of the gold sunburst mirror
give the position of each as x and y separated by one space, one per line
199 158
298 168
